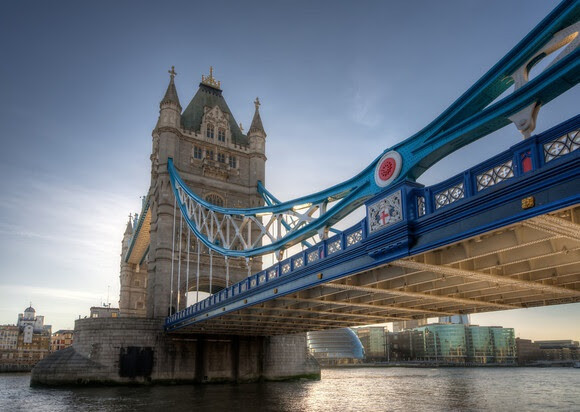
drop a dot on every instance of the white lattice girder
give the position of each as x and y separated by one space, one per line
248 231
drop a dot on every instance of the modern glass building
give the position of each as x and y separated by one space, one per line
480 346
373 339
504 344
462 319
445 343
455 344
335 346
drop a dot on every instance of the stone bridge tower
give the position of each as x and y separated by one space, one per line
218 162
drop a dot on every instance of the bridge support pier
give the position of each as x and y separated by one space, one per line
138 351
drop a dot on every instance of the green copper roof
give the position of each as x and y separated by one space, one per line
211 97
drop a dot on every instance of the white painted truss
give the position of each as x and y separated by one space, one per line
249 232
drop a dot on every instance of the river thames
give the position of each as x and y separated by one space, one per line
349 389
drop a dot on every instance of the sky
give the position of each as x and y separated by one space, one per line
339 82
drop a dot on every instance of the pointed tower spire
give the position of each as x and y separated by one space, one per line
171 93
169 107
129 228
257 138
256 126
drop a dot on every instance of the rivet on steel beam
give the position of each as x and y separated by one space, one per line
528 202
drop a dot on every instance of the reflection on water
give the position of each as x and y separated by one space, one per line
353 389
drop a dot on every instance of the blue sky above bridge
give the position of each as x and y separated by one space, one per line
339 82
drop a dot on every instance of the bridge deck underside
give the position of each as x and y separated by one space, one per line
533 263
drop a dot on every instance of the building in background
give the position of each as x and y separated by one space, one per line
401 325
104 312
442 343
504 345
61 339
527 351
335 346
374 341
559 350
32 338
453 343
456 319
404 346
8 337
480 344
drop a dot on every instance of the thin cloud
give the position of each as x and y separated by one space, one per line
364 108
67 294
366 95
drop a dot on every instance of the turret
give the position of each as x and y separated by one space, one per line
126 273
257 140
127 235
169 107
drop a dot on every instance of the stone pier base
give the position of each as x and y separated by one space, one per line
138 351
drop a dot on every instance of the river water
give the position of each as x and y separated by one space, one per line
351 389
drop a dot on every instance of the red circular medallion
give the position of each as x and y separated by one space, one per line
387 168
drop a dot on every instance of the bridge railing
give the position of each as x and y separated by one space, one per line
299 261
417 203
525 157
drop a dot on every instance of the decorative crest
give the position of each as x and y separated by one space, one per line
241 127
209 80
172 72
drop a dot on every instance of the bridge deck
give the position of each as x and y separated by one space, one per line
532 263
512 244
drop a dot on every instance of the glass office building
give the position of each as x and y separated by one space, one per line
445 343
480 346
373 339
504 344
455 344
335 346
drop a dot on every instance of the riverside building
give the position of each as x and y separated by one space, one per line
24 344
61 339
335 346
457 344
373 339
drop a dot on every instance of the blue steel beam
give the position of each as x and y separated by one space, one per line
468 119
270 200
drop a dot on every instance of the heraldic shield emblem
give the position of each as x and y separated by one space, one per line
385 212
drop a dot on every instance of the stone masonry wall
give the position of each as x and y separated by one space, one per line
287 357
138 351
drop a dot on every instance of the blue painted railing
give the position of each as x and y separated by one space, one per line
530 155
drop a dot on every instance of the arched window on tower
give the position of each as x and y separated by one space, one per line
215 199
209 131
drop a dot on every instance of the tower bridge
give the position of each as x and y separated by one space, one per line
503 234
